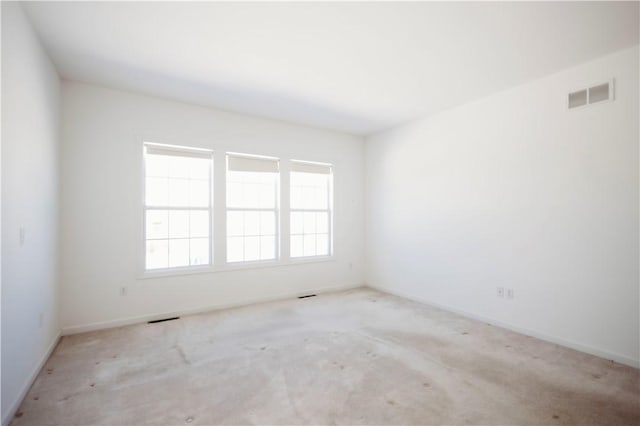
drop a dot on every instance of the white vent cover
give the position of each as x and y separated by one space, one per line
599 93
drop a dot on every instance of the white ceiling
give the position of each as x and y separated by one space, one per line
353 67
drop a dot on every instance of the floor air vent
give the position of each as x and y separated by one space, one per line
599 93
163 320
307 295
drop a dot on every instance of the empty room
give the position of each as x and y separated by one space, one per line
314 213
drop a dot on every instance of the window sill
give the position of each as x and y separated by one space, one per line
160 273
236 266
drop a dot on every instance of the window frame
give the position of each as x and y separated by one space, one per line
185 269
218 220
329 210
277 211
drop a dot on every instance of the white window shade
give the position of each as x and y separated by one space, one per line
252 164
177 152
322 169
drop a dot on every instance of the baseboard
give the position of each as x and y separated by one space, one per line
542 336
32 378
76 329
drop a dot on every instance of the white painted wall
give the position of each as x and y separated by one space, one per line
30 136
103 131
514 190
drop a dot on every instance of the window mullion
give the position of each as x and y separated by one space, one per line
284 236
219 213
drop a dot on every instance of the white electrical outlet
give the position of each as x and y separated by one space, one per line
22 235
509 293
500 291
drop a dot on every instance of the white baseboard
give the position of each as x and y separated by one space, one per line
32 378
542 336
83 328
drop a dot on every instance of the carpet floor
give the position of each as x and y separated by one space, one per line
354 357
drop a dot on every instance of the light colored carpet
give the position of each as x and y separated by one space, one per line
355 357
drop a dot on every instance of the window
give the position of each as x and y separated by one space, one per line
252 208
178 215
311 209
177 206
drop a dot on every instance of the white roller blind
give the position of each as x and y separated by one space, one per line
153 149
323 169
252 164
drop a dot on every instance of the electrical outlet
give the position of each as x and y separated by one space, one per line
123 291
500 291
509 293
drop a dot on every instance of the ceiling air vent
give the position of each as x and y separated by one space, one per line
594 94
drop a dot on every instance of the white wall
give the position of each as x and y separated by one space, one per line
30 135
103 131
514 190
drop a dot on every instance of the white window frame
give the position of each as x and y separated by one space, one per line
218 224
329 210
176 270
276 211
